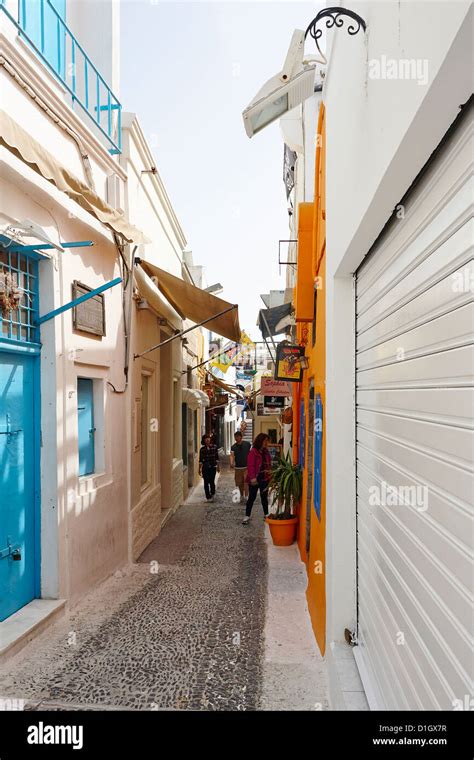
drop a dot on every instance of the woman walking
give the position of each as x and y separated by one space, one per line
258 475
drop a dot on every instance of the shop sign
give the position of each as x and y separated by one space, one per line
287 366
275 402
271 387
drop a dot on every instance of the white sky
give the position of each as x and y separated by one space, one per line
188 70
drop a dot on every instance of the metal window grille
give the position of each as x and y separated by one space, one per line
20 324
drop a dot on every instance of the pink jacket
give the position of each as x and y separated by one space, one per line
258 462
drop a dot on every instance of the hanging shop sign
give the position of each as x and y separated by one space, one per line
274 402
271 387
287 366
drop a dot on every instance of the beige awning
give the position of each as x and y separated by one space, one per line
150 293
226 388
23 145
196 304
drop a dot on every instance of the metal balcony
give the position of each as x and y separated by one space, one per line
41 25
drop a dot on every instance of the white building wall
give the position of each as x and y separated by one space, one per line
379 135
83 520
87 20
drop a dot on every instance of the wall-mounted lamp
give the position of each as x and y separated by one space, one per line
304 362
298 79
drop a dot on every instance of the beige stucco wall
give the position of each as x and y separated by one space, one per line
177 484
145 499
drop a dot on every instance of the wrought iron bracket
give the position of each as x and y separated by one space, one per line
334 17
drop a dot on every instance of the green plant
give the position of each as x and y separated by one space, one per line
286 485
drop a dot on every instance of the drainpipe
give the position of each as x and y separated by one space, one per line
54 116
126 309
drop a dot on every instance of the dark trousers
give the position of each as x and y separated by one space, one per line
261 486
209 475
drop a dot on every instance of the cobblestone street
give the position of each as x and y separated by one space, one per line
184 629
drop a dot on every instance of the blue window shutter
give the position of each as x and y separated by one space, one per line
85 425
318 449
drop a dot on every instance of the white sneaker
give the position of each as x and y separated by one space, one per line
246 520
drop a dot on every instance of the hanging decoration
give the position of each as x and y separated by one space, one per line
10 293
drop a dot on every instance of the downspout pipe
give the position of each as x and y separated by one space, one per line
126 310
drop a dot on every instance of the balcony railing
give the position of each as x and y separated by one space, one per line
41 25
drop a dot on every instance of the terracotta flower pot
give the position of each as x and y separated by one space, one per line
282 531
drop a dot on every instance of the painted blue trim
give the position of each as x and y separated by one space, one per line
10 344
62 76
37 474
79 300
32 351
6 243
85 426
318 448
48 246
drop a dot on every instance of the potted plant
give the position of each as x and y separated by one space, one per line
285 487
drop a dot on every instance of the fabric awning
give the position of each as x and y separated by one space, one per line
196 304
23 145
203 396
191 397
274 316
226 388
151 294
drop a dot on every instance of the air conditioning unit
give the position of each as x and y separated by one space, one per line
115 192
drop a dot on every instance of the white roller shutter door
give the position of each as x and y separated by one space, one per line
414 441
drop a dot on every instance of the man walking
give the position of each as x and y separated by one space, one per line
238 461
208 466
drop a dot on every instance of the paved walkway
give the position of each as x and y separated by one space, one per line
184 629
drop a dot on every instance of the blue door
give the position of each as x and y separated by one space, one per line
85 425
41 21
17 481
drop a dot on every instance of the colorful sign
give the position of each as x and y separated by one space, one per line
287 365
271 387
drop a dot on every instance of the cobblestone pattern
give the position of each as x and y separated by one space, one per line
190 638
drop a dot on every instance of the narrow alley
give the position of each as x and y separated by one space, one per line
189 627
236 373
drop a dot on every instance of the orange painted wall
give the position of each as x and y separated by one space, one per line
304 282
316 557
